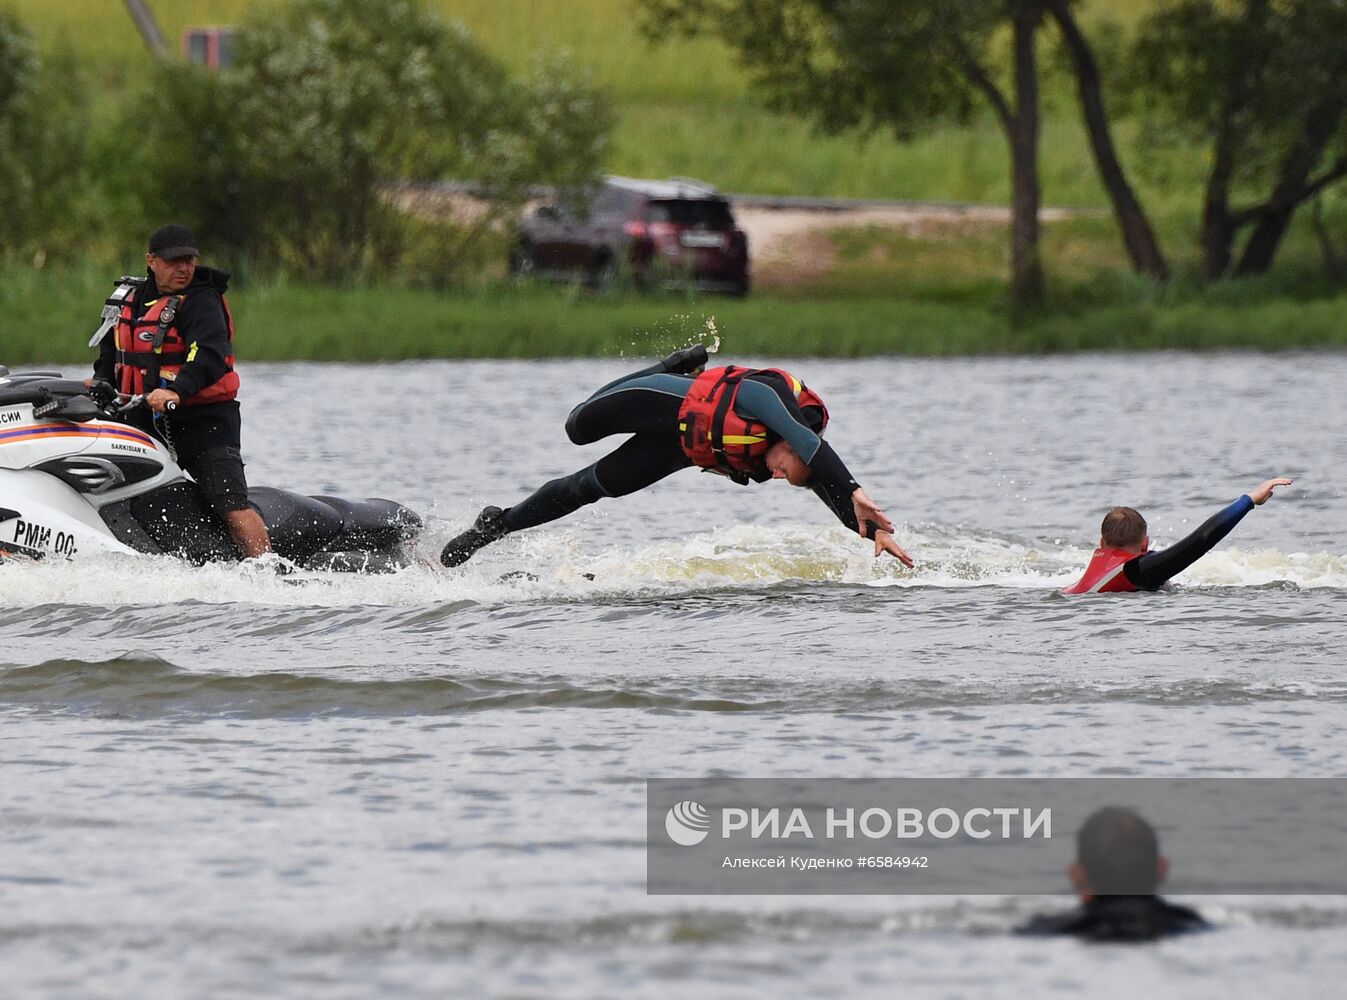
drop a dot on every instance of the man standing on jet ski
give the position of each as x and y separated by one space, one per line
173 340
748 424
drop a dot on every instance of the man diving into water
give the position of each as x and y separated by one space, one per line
748 424
1124 561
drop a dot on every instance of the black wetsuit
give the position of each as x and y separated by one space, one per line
1153 570
645 404
1119 918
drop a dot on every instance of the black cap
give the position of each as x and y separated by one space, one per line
173 241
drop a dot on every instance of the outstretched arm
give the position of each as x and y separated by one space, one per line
831 482
1154 569
769 401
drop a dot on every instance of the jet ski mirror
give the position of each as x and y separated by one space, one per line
74 408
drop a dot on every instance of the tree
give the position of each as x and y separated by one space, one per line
18 65
1138 236
42 123
1263 83
902 66
289 154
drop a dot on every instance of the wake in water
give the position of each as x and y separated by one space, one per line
553 566
145 686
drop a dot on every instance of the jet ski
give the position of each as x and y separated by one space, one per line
79 478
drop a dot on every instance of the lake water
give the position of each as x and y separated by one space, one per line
216 782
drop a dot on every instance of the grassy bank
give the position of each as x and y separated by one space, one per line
50 316
852 292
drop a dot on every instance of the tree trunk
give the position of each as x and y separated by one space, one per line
1142 246
1263 242
1026 265
1218 223
1332 260
1291 189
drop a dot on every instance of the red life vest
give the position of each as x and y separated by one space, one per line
715 437
1105 574
151 349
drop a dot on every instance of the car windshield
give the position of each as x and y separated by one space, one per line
712 214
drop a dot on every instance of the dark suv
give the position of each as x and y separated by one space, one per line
660 234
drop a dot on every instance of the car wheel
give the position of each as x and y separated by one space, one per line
740 289
604 274
521 262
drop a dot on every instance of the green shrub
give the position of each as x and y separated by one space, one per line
43 120
289 156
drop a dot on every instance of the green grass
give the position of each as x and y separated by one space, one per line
685 108
602 34
50 316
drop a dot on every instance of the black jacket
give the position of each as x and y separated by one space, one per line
201 322
1119 918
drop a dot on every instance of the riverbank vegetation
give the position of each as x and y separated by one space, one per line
307 277
847 312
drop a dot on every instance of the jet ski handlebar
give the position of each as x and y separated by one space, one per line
117 404
68 399
122 404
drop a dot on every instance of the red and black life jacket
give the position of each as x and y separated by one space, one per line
1104 574
715 437
151 349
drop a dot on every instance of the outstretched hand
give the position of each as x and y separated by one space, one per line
884 542
1261 495
868 511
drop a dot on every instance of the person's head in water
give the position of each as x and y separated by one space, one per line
1117 854
1125 529
1117 870
785 463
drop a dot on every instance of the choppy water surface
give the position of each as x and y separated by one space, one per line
220 783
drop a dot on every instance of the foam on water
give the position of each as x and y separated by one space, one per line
554 566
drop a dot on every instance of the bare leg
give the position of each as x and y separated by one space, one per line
249 532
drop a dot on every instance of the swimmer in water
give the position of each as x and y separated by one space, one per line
1117 869
1124 560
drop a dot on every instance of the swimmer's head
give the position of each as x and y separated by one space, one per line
785 463
1125 529
1117 854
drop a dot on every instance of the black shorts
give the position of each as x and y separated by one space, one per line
219 475
194 430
